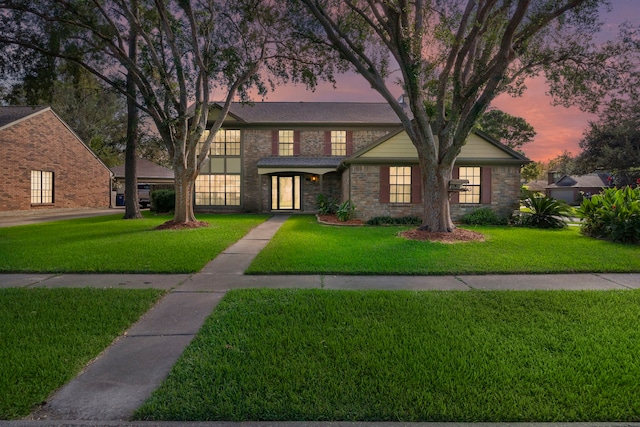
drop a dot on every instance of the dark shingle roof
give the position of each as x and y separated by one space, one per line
145 170
315 112
300 162
11 114
592 180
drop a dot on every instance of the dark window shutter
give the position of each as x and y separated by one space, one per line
416 185
455 197
384 184
274 142
349 142
296 142
327 143
485 186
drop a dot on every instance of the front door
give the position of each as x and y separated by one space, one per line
285 192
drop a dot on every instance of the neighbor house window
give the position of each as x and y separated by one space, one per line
400 184
338 143
472 195
41 187
225 143
218 190
285 143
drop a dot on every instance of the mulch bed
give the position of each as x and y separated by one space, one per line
170 225
458 235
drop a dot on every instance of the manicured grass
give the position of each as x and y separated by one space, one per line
410 356
304 246
111 245
48 335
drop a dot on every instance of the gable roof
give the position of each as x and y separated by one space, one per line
592 180
145 169
379 113
11 114
479 149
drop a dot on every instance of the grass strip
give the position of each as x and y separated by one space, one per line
49 335
296 355
110 244
302 246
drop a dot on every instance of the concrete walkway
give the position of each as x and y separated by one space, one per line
109 390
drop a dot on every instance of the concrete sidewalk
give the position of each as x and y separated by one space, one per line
109 390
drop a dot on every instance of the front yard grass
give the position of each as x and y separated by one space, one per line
302 246
110 244
307 355
49 335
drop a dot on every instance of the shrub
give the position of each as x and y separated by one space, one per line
544 212
482 216
614 214
326 205
163 201
387 220
345 211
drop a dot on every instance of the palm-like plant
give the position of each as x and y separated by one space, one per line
545 212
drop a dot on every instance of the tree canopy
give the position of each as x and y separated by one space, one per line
190 54
455 57
511 131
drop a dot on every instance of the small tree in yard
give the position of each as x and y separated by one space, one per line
454 57
189 53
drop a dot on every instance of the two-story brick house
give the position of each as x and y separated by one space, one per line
277 157
44 165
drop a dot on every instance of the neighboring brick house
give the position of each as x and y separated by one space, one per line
278 157
44 165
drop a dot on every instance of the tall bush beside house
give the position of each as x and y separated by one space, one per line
326 205
544 212
163 201
345 210
614 214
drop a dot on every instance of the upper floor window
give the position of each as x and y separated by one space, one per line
472 195
285 142
41 187
225 143
338 143
400 184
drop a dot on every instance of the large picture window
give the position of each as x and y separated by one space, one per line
226 143
472 195
41 187
400 184
218 190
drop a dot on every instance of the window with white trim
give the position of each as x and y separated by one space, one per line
400 184
41 187
473 174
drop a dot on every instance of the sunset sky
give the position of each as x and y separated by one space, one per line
558 128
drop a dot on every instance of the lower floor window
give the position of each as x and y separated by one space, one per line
218 190
41 187
400 184
472 195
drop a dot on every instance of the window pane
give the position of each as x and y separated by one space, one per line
285 143
218 190
41 187
400 184
472 195
338 143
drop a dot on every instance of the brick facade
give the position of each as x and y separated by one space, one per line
42 142
361 183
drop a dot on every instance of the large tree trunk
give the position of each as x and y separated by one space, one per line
435 196
131 204
184 185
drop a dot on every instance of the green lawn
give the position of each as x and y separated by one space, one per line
111 245
304 246
48 335
410 356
